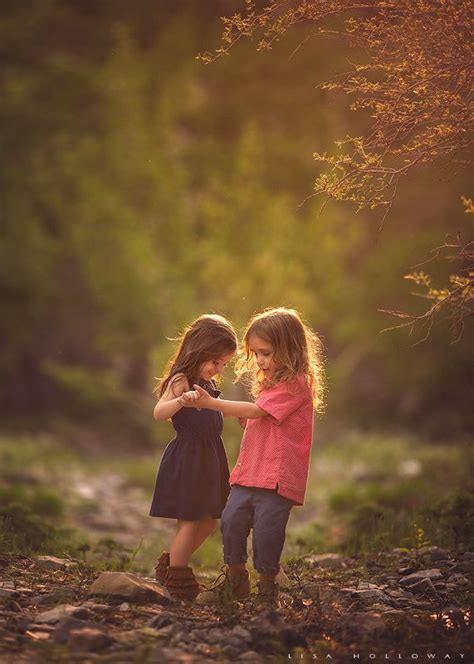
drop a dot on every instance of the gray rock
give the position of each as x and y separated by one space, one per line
88 639
398 593
180 638
204 649
404 571
468 555
58 596
131 587
433 574
424 587
67 625
459 580
250 656
95 606
62 611
7 594
216 636
231 652
167 631
267 622
445 564
372 595
359 626
175 656
327 561
161 620
236 643
43 632
440 585
398 551
51 562
242 633
366 585
433 552
466 566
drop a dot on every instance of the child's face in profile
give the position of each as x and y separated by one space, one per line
264 354
212 368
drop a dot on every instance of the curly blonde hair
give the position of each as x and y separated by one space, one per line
297 350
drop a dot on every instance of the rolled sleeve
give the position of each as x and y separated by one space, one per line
281 402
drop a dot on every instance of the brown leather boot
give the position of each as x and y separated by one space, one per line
181 583
233 583
267 591
239 583
161 566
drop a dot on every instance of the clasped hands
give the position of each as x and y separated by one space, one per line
196 398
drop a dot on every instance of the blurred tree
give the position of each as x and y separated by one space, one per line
134 201
415 85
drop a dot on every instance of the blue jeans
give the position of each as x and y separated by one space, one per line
267 513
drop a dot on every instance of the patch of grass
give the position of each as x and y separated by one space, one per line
210 555
24 531
450 520
380 526
373 491
372 527
32 514
309 538
32 456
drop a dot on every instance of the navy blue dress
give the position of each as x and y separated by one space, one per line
193 478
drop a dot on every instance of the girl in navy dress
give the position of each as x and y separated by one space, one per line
192 485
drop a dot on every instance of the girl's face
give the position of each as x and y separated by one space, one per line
264 354
212 368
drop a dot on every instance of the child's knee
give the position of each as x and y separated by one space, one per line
233 519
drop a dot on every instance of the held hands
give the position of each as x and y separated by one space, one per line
197 398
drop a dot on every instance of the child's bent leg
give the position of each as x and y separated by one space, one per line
271 516
205 528
236 522
182 545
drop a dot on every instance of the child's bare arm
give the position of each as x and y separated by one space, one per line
169 402
243 409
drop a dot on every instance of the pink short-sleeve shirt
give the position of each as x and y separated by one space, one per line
275 449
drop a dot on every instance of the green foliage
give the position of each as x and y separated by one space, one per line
451 519
381 492
371 528
23 530
144 189
310 538
374 526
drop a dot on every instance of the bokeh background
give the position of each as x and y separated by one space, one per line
141 188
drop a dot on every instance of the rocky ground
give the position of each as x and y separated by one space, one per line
401 606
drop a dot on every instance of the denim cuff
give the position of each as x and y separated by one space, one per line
234 560
268 571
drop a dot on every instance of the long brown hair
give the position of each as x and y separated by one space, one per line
209 337
297 350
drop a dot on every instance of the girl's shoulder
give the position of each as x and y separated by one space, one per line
299 384
296 385
177 384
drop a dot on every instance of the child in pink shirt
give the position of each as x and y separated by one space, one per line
283 359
